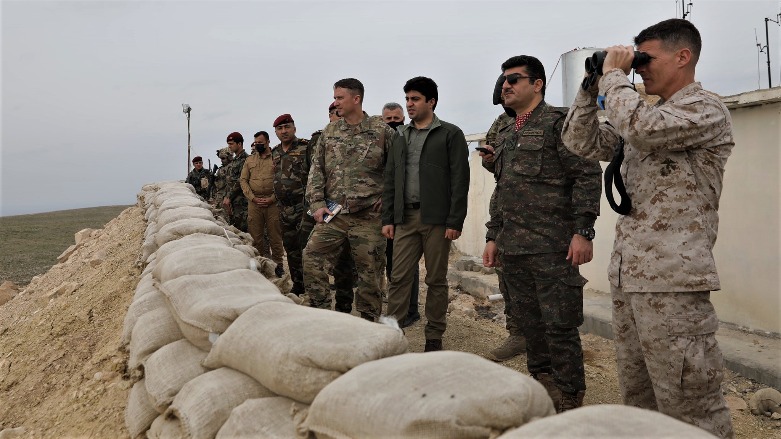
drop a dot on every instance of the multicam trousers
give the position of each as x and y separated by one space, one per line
360 231
547 293
296 228
668 357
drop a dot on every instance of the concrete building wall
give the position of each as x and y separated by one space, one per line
747 249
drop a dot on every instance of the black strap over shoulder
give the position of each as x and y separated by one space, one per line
613 172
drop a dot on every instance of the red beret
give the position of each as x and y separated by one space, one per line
285 118
236 137
331 108
197 159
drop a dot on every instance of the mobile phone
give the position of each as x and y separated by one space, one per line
484 150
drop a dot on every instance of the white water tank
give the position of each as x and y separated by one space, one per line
573 66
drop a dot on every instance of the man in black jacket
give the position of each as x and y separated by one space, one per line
424 204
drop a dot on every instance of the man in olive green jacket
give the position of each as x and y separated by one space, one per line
424 204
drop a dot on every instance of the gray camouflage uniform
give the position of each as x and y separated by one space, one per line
662 268
543 194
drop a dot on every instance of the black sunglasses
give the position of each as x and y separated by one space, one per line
513 78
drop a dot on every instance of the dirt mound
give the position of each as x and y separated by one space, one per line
60 367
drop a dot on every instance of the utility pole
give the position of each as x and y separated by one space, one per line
186 110
767 47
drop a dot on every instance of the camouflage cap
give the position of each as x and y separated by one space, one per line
224 153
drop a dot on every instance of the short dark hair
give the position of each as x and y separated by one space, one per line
425 86
533 66
262 133
674 34
355 86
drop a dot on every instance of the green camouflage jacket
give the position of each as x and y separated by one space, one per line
291 172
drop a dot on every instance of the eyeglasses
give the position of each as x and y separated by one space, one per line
513 78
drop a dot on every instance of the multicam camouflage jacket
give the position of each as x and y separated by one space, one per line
348 164
221 183
675 152
544 193
233 188
291 172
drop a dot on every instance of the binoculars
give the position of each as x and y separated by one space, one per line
595 62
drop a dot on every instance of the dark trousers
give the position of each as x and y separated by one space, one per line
548 293
415 291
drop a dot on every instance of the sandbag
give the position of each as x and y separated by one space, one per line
164 428
145 285
268 418
205 403
191 241
181 201
178 229
152 331
443 394
146 303
139 412
296 351
183 212
199 260
169 368
210 303
608 421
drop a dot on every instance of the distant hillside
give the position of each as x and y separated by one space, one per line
31 243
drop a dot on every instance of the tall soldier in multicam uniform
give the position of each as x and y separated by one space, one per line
662 268
515 343
234 202
547 200
199 178
347 167
220 176
292 160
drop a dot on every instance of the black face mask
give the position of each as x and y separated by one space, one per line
260 148
395 124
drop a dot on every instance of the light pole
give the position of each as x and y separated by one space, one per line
186 109
767 47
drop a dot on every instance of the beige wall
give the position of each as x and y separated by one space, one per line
747 249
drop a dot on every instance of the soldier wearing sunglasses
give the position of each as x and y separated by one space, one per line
540 230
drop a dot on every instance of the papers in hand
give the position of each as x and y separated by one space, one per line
333 206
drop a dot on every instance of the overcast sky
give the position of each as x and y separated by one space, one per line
92 90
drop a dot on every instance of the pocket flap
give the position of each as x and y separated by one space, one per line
692 324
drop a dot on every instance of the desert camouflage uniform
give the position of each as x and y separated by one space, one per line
347 167
235 194
195 178
512 318
662 268
543 194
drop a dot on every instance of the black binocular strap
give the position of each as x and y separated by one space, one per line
613 172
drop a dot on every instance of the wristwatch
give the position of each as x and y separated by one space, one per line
586 232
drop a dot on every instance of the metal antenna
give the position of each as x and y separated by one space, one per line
766 49
686 8
759 50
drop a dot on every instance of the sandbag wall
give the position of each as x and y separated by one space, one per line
219 351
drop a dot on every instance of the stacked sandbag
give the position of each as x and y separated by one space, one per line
139 412
443 394
206 305
199 275
168 369
268 418
205 403
296 351
608 421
